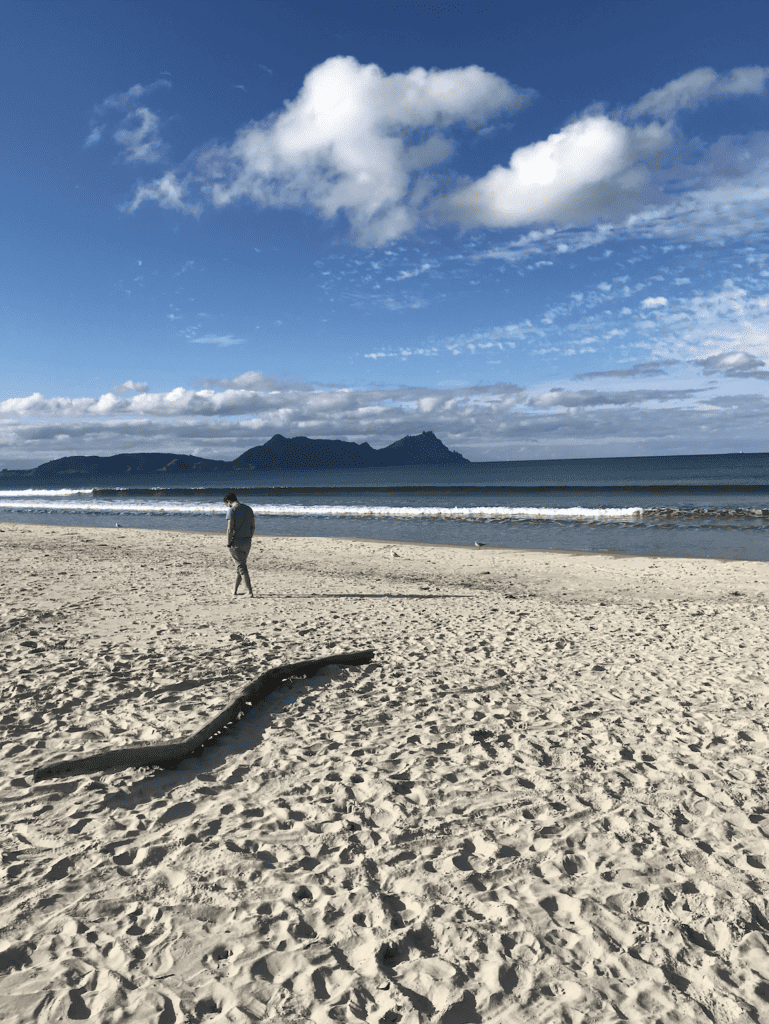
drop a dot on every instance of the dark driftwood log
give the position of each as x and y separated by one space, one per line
165 755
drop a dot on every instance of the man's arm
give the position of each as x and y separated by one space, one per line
230 528
253 523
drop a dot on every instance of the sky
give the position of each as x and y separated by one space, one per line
539 230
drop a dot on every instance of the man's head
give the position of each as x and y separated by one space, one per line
230 498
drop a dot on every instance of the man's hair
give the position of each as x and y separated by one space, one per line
231 496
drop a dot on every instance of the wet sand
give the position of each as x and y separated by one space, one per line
545 799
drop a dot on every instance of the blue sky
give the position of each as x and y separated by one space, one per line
538 230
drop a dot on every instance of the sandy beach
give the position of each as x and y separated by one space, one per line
545 799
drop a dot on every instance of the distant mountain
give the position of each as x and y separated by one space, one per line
278 453
136 462
420 450
306 453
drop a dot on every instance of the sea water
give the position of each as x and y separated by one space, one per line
713 506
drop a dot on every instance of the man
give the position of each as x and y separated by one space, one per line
240 530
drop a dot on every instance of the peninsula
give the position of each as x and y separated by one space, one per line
279 452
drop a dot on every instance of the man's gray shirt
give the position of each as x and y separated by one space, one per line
240 522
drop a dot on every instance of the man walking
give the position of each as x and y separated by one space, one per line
240 530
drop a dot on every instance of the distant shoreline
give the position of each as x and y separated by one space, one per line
230 467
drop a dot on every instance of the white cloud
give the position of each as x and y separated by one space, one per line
223 340
685 325
252 380
734 364
593 167
129 387
729 201
130 98
489 421
94 135
724 320
168 192
502 338
346 145
138 134
649 369
270 401
698 87
404 274
140 137
592 399
407 302
622 178
343 145
732 201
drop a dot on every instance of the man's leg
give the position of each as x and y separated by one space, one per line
235 553
240 553
243 570
245 547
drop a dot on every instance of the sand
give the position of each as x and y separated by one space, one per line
545 799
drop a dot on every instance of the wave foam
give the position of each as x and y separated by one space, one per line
177 507
33 492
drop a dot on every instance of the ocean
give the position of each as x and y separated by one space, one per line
704 506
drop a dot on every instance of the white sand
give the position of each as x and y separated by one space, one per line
544 800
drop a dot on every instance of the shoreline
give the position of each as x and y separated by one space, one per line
374 540
548 789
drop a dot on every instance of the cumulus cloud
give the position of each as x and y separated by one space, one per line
346 144
501 420
618 169
729 201
598 166
654 301
130 387
594 167
258 396
479 429
358 142
697 88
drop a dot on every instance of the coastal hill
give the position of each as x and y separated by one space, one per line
279 452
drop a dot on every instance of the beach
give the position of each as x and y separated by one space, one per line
544 799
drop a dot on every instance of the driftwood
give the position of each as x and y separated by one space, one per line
165 755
